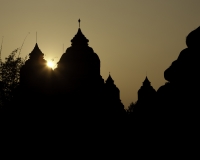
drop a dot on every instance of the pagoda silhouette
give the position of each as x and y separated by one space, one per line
74 88
145 106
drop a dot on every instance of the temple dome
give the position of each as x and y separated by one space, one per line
109 80
79 59
111 88
146 91
193 38
79 39
36 52
36 58
35 73
146 82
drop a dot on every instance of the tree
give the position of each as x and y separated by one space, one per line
9 77
130 108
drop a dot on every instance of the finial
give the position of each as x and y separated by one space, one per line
36 37
1 48
79 21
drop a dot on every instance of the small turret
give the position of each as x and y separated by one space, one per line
146 91
113 96
146 82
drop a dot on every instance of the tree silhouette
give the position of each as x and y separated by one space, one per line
130 108
9 77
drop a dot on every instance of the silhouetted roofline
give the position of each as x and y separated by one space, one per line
146 81
36 50
109 79
79 38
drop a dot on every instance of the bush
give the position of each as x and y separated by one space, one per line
9 77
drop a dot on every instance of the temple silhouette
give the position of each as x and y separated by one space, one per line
75 91
74 105
75 87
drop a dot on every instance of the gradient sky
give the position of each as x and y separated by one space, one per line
131 37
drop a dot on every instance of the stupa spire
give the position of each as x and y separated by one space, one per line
79 39
36 52
109 79
146 82
79 21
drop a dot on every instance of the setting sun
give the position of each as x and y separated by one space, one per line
50 64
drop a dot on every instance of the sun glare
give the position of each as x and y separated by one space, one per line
50 64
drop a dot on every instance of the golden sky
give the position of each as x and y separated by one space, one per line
131 37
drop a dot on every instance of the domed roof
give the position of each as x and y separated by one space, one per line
36 57
79 58
146 88
79 39
110 84
193 38
146 82
109 80
36 51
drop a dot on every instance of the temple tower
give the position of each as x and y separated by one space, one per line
112 98
146 91
35 74
145 106
79 67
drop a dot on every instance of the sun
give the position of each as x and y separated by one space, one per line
50 64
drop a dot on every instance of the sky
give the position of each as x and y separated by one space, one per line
133 38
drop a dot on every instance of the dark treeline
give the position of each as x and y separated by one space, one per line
74 102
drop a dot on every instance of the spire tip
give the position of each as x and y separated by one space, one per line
79 21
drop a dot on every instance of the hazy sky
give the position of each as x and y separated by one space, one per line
131 37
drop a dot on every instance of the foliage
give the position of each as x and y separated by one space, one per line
9 76
130 108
